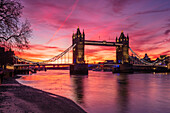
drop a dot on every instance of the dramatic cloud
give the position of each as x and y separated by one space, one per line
120 5
167 32
54 21
165 52
153 11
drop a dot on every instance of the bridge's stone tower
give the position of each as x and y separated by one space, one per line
78 50
122 52
79 67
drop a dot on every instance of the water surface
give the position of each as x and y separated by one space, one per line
104 92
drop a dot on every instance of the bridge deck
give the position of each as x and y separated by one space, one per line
143 65
136 65
101 43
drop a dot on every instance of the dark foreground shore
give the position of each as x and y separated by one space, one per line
17 98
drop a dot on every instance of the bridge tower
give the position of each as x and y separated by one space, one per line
122 51
79 67
78 50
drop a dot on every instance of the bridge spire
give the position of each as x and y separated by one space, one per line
127 36
83 32
122 35
78 31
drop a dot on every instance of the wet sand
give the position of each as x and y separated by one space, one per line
18 98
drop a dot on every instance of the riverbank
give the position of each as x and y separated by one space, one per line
18 98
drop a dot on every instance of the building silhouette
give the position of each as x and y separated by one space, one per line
146 57
6 57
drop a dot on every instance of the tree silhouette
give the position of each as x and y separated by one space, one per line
13 32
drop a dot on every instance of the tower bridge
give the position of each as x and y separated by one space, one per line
121 44
79 66
78 39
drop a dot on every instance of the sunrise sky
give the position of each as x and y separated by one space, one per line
147 22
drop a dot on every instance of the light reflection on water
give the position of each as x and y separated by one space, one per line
101 92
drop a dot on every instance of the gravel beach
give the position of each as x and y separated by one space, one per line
18 98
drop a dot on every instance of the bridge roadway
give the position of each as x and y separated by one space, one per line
144 65
102 43
25 65
136 65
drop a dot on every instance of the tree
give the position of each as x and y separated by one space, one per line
13 32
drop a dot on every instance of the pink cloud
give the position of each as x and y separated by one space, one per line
55 21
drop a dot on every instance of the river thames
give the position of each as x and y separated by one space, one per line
104 92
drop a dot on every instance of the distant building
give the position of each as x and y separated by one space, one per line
6 57
9 57
2 49
2 56
109 62
146 57
165 59
134 60
168 61
100 62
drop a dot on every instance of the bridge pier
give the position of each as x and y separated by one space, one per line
79 69
123 68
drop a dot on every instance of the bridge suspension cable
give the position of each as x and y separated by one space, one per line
142 60
24 60
49 60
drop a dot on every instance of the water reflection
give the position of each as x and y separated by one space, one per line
122 93
122 78
104 92
78 87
